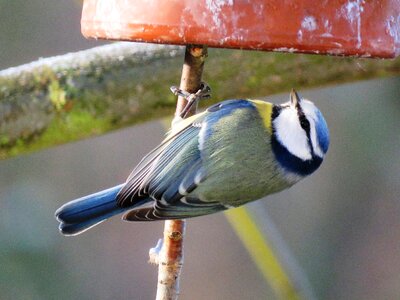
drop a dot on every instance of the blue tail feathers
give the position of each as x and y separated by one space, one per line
81 214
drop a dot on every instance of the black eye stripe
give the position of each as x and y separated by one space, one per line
304 123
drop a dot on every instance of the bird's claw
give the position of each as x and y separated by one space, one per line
203 92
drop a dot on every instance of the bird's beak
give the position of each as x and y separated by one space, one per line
295 99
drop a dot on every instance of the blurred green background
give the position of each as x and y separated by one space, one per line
342 223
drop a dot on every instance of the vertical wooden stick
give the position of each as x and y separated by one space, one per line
171 255
191 74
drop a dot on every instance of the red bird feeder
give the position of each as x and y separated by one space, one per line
337 27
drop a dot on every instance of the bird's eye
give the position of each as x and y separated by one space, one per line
305 124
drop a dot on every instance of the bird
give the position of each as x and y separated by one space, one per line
232 153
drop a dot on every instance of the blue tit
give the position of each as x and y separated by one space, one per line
234 152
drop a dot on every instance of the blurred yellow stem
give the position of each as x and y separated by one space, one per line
262 253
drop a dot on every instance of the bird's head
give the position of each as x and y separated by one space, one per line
300 137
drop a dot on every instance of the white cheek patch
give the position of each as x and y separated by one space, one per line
314 141
290 134
309 110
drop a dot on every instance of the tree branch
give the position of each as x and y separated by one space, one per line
171 257
101 81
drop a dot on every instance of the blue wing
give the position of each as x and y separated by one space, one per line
154 173
173 170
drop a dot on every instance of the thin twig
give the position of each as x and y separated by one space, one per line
170 260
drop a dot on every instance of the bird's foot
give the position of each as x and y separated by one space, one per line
203 93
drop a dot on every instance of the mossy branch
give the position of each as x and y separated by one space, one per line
107 81
77 95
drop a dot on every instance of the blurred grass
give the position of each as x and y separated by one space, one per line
263 254
230 73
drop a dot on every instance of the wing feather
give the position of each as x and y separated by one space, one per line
149 172
181 210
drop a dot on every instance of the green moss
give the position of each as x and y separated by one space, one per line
4 140
57 95
74 126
